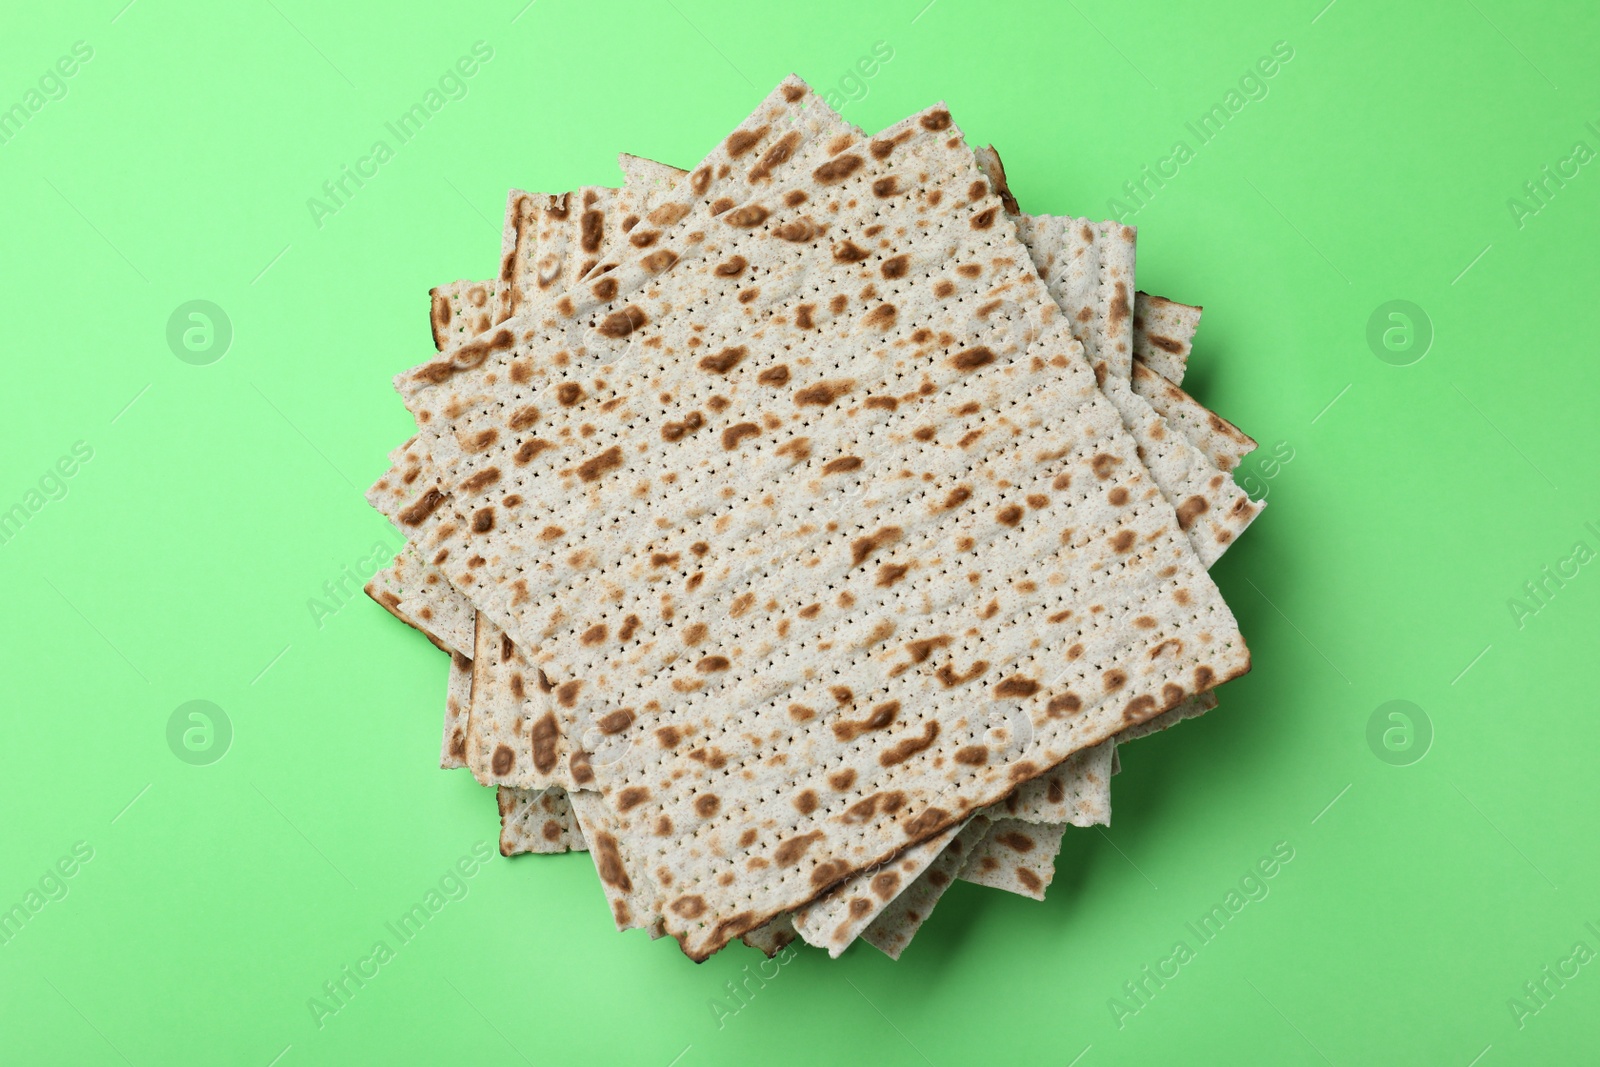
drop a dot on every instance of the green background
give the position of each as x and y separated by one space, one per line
220 498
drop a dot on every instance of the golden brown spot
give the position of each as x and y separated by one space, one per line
524 454
712 664
956 497
707 804
825 392
838 169
950 679
480 481
724 361
1119 307
742 141
594 634
850 252
690 907
896 267
882 317
1114 680
622 323
890 573
789 853
1065 704
985 218
1016 840
675 431
775 156
1122 540
778 375
842 465
1139 709
973 755
806 802
1009 515
842 780
803 316
972 358
659 260
732 267
864 809
736 433
862 547
1118 496
592 469
425 506
881 716
1016 687
1190 510
502 761
798 231
544 736
748 217
632 797
609 862
930 821
1102 464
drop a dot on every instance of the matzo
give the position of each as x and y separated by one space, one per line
1163 334
893 929
1015 856
951 370
537 821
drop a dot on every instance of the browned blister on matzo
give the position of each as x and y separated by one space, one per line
770 507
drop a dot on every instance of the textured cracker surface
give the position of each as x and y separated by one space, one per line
537 821
895 926
1164 334
1018 857
543 603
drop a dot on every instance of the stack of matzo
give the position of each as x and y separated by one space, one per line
806 529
